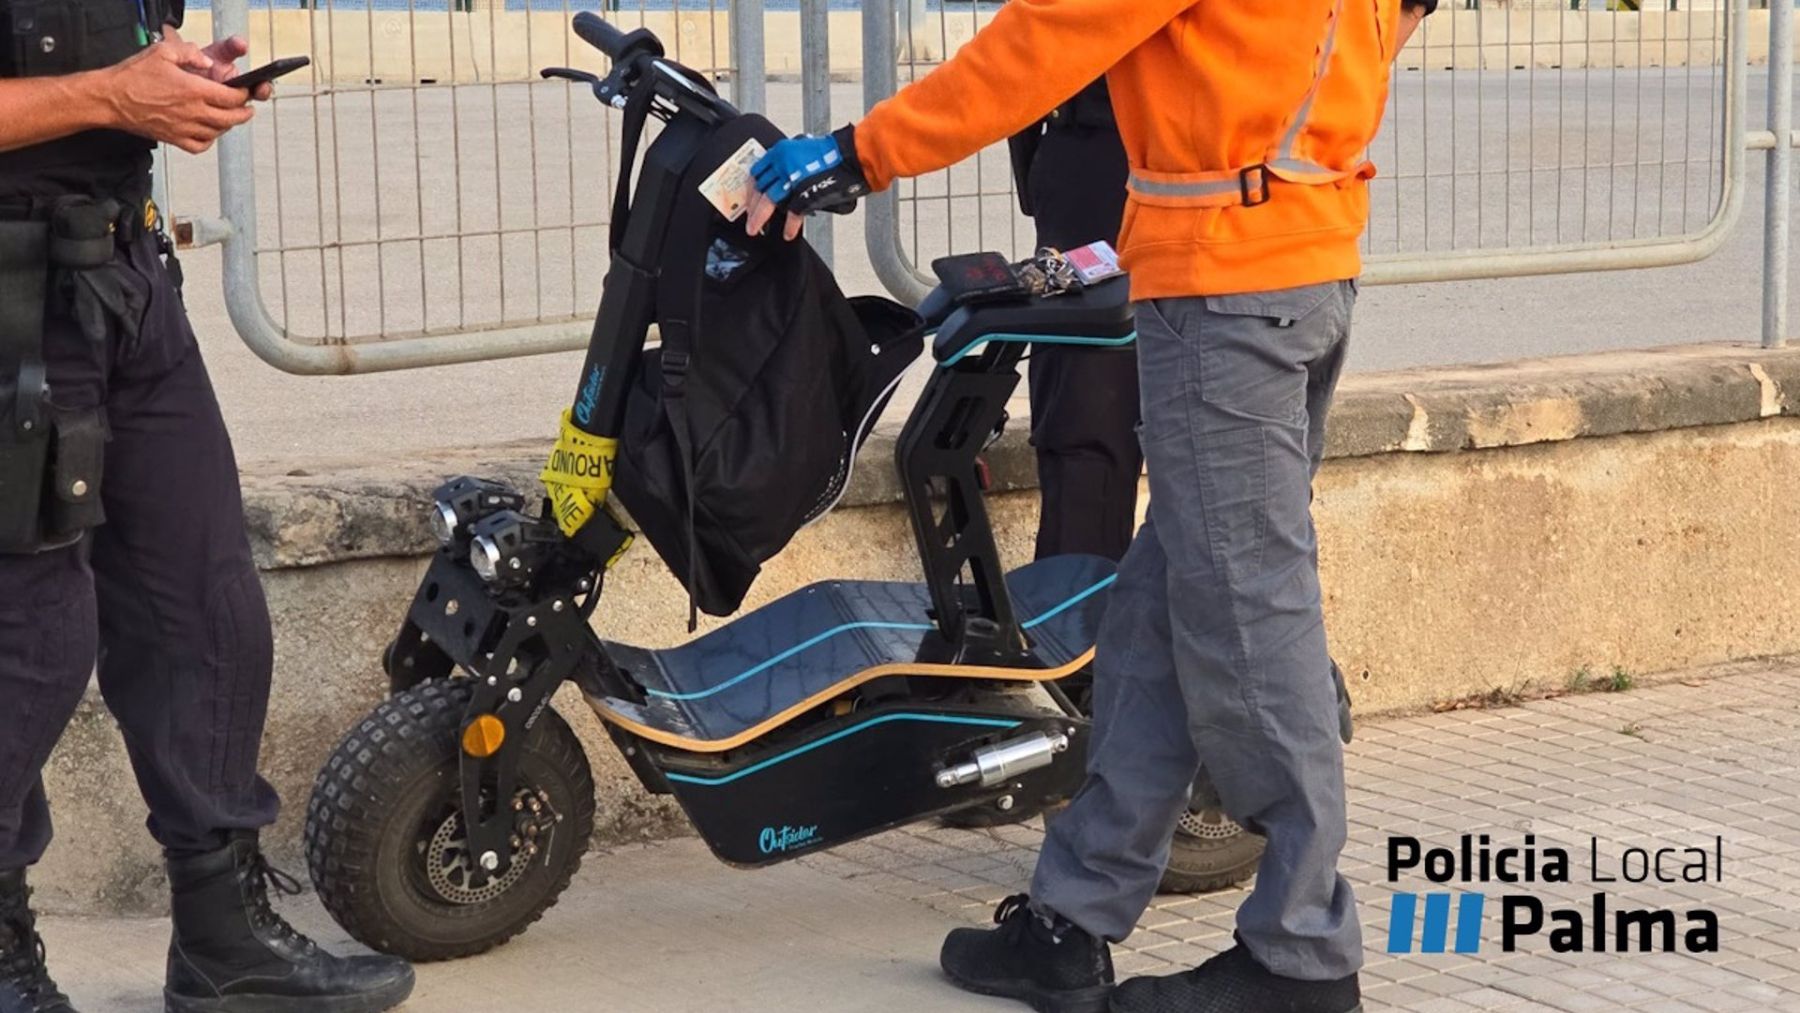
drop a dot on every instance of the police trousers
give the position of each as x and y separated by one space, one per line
1084 401
1213 647
163 597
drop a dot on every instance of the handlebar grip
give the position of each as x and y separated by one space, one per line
596 31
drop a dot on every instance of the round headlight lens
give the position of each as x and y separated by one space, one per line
443 523
484 556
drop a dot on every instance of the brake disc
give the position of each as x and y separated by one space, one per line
1209 824
453 871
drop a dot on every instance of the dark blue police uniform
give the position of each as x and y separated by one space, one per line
1071 171
123 550
122 536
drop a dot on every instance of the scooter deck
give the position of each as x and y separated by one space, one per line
770 666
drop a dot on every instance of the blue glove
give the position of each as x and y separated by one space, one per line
808 173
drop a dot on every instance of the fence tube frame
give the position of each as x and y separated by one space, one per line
895 269
1777 192
815 104
749 62
881 228
250 316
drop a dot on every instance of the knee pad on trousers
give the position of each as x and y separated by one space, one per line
240 661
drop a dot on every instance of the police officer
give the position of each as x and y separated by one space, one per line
122 537
1070 170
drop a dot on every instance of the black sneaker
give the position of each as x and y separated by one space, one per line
231 953
1233 982
25 985
1052 965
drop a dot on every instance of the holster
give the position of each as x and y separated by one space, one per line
51 458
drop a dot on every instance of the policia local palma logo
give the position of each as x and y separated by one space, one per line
1460 921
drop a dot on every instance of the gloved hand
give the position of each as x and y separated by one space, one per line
808 173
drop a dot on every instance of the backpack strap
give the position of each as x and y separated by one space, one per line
637 114
677 344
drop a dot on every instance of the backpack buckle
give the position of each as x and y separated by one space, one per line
674 368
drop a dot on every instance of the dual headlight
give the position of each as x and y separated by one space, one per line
463 505
486 558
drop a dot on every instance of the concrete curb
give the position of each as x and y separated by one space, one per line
1483 531
364 510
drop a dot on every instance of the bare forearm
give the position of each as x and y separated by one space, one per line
38 109
1411 16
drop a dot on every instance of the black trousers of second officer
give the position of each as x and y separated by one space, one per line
164 594
1084 401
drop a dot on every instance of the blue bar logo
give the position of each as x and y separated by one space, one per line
1434 936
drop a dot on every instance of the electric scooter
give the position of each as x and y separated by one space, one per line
453 815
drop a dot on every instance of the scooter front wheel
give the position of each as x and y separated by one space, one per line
384 836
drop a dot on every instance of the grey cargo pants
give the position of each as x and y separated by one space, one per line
1213 646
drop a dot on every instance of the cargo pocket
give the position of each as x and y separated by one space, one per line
1282 308
77 460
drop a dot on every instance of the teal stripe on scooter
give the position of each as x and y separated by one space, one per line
1040 339
942 719
1071 603
785 655
764 666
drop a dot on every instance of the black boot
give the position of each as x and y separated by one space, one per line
231 953
1233 982
1052 965
25 985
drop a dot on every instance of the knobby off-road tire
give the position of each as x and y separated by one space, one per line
1210 851
384 838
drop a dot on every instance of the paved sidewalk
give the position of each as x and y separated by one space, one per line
664 928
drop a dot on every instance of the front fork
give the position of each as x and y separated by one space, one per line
518 648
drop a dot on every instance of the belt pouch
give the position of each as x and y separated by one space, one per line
24 424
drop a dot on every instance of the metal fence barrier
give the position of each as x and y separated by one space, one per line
425 197
1516 142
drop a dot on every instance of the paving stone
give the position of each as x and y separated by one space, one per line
1715 761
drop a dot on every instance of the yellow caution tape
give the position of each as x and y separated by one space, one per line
578 475
626 544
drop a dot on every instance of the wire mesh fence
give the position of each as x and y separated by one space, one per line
1523 129
423 179
420 179
1515 129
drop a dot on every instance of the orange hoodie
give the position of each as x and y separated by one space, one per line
1245 122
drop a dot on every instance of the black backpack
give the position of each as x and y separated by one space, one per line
742 427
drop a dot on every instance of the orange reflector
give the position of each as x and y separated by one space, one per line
483 736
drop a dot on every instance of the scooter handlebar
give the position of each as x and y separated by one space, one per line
596 31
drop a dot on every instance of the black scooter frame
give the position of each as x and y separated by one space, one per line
520 643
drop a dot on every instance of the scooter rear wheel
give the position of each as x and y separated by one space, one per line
384 838
1210 851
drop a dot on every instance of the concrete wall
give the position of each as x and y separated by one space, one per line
355 47
1481 528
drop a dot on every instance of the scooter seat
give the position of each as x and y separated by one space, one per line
770 666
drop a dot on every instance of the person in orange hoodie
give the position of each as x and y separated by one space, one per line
1245 126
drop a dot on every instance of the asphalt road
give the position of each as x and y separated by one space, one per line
1532 159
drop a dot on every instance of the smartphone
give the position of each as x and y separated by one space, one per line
252 79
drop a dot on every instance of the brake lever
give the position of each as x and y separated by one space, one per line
606 89
570 74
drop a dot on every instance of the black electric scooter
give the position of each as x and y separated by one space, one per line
453 815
